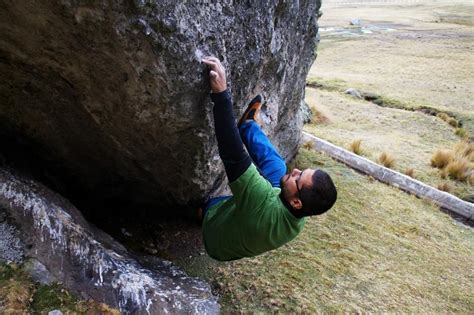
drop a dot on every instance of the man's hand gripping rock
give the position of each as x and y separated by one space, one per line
216 75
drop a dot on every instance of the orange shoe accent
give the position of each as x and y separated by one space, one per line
253 110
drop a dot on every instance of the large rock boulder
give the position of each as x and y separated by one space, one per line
52 233
108 100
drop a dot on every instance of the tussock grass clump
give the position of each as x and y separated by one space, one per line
308 145
355 146
465 149
445 187
441 158
319 117
443 116
462 133
410 172
386 159
453 122
459 169
457 163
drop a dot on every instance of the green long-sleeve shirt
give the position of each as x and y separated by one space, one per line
254 220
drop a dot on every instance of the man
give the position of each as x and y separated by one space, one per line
268 206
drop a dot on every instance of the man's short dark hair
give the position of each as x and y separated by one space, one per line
321 196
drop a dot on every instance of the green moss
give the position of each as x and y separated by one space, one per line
20 295
327 85
6 272
50 297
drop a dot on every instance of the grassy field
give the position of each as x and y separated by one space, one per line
377 250
410 137
412 56
419 54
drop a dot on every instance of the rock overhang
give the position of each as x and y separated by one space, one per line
112 101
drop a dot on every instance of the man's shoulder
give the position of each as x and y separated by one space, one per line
246 176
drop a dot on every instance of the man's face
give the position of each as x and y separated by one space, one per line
292 183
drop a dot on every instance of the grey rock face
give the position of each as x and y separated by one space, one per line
306 112
90 262
12 249
112 99
38 272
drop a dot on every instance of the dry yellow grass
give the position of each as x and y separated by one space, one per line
319 117
308 145
459 169
409 136
456 164
453 122
15 294
410 172
386 159
355 146
465 149
441 158
445 187
443 116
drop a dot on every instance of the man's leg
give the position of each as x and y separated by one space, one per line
262 152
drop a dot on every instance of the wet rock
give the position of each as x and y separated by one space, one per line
11 247
89 262
38 272
353 92
109 102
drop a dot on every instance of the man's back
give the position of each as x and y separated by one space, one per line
253 221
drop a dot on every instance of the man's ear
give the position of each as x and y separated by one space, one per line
296 203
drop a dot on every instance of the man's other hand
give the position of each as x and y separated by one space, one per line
216 75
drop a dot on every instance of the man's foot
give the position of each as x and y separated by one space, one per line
253 109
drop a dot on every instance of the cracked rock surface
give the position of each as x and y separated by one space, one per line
109 100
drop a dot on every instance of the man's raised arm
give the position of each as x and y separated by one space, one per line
231 149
